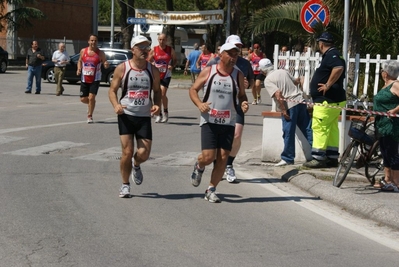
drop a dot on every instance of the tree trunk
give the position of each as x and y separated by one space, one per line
170 29
127 30
235 17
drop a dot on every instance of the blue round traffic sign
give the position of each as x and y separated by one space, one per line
144 27
312 12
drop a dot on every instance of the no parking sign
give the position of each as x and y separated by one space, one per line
312 12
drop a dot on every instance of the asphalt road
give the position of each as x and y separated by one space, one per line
59 200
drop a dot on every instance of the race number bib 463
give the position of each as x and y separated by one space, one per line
219 116
139 98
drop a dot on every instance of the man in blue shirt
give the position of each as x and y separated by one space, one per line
192 60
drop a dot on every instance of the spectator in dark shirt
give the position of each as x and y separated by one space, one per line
34 60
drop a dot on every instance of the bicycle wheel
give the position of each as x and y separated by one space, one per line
374 163
345 164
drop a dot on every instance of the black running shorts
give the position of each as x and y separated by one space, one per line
215 136
137 126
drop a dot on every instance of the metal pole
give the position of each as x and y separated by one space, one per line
112 24
228 18
345 55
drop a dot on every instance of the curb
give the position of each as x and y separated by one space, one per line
353 203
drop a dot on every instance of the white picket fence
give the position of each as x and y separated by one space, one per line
305 64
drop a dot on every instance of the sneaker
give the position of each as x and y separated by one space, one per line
137 175
332 163
37 93
124 192
230 174
211 196
282 163
314 163
28 92
254 102
158 119
165 117
90 119
196 175
259 100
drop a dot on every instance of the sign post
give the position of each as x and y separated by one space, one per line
133 20
312 12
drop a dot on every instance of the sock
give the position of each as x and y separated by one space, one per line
230 160
211 188
165 110
200 169
126 183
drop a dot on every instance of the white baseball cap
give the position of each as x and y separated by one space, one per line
138 40
265 64
228 46
234 39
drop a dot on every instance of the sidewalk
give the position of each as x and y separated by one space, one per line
355 195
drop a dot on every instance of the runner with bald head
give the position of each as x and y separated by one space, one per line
164 58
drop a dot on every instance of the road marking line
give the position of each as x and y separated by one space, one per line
363 227
45 149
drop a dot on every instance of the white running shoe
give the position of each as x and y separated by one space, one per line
196 175
211 196
158 119
165 117
137 175
89 119
254 102
230 174
282 163
259 100
124 192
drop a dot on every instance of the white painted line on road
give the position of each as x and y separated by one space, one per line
382 235
45 149
8 139
20 129
109 154
179 158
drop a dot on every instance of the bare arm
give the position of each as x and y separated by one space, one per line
156 88
104 59
242 96
174 60
278 95
79 70
196 87
198 64
151 56
113 89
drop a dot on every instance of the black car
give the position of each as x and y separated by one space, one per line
3 60
114 58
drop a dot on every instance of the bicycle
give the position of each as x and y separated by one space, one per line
365 144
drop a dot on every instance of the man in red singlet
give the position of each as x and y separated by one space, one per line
164 58
89 67
254 58
205 56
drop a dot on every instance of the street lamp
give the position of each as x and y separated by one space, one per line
112 24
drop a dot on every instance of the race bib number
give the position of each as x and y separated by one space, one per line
219 116
162 67
139 98
88 71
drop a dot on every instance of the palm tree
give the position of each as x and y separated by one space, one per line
363 14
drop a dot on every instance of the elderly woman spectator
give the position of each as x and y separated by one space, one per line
387 100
